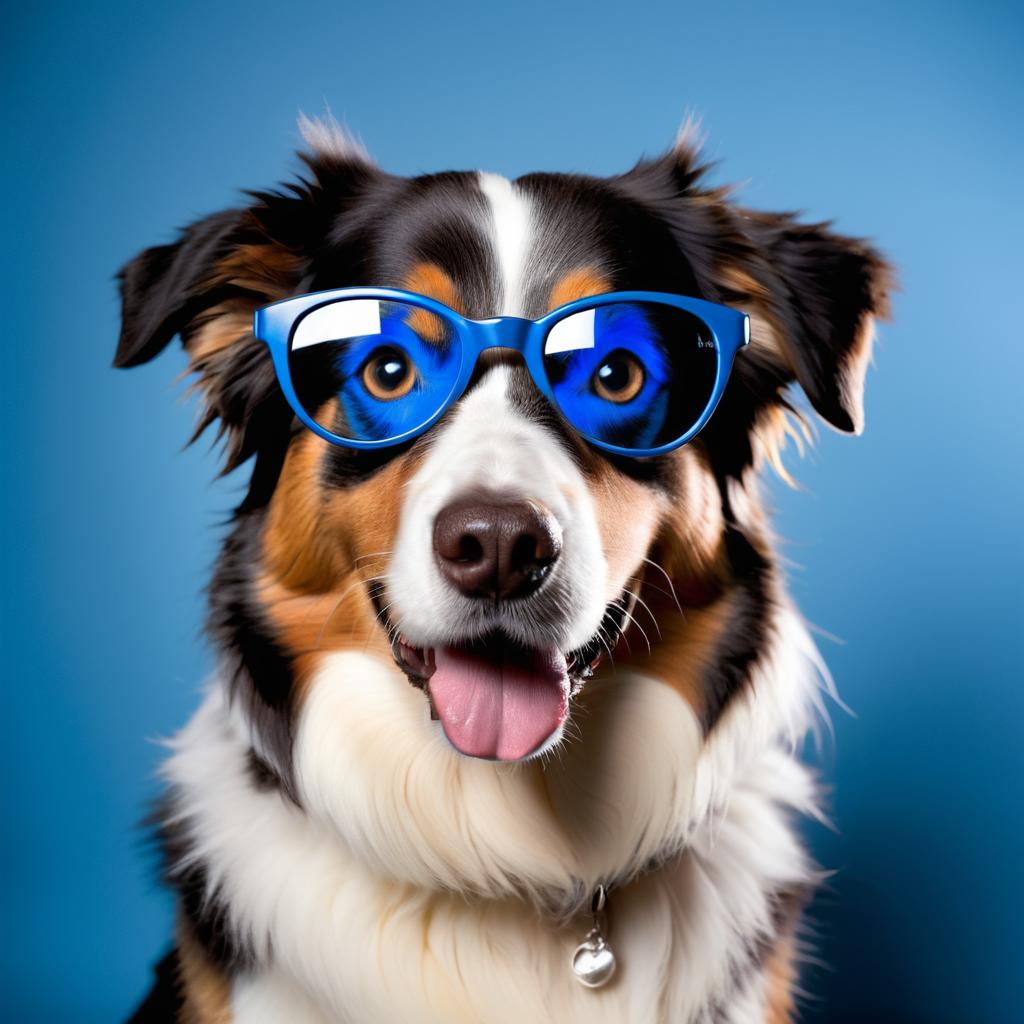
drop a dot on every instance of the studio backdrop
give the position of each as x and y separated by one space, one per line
123 122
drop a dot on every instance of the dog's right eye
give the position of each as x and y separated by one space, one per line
619 378
388 374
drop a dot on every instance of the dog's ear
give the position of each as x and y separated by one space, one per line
821 292
165 287
206 285
812 294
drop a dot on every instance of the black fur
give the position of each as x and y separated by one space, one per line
164 1002
654 228
743 639
259 668
200 911
819 286
204 913
263 777
164 288
823 286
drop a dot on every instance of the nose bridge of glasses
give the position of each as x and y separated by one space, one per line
502 332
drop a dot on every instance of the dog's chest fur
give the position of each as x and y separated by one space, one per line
354 929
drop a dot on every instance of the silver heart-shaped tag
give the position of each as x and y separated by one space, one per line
593 963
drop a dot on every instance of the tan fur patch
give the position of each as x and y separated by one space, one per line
686 567
578 284
267 270
691 535
774 430
684 644
322 547
744 284
218 329
206 992
777 426
627 516
684 607
263 269
752 297
211 343
309 626
430 280
780 979
298 552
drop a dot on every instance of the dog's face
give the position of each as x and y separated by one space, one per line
497 558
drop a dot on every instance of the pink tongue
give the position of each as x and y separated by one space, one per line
499 704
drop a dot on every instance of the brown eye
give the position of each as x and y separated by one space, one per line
619 378
389 374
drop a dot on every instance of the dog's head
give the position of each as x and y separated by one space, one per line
497 558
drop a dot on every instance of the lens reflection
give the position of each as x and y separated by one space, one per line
636 375
368 370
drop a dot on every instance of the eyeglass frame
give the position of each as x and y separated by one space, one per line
276 323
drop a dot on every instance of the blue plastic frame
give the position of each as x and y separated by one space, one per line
275 324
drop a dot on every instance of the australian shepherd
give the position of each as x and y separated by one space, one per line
505 721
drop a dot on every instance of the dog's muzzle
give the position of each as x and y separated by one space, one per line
495 662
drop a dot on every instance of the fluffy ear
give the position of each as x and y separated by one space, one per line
206 285
165 287
812 294
822 291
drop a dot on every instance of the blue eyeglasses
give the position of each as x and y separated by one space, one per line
635 373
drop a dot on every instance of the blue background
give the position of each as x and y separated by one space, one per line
902 121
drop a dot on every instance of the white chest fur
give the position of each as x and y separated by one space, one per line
385 903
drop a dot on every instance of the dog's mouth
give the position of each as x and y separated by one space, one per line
499 699
496 699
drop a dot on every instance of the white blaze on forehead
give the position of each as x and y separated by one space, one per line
510 220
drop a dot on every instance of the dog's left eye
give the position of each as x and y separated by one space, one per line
619 378
388 374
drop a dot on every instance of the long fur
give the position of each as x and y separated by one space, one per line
334 858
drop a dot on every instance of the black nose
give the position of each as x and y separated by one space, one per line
496 548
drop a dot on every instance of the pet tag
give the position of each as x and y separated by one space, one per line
593 963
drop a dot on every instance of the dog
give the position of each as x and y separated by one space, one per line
505 725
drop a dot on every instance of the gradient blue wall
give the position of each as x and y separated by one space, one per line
900 120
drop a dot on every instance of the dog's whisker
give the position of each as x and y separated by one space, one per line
643 582
291 568
330 615
668 580
643 632
359 582
605 640
647 608
372 554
